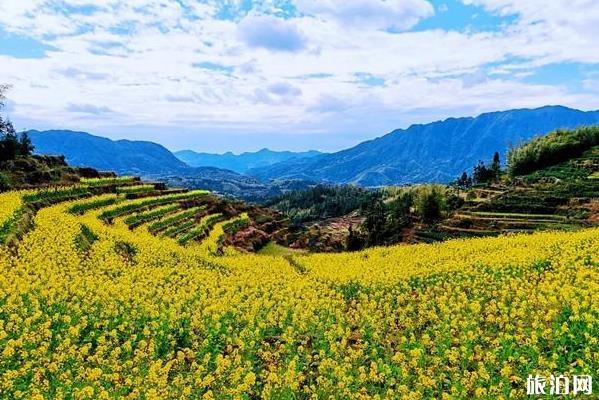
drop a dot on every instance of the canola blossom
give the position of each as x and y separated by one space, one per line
10 202
138 316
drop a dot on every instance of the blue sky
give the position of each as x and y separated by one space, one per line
240 75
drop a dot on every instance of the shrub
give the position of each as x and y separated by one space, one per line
4 182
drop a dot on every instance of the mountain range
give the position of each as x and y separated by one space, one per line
434 152
243 162
153 161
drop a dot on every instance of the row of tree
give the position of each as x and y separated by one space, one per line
482 173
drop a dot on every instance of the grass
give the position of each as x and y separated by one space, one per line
276 250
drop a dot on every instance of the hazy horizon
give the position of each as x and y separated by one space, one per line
257 147
222 75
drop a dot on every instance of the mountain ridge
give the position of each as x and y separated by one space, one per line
434 152
243 162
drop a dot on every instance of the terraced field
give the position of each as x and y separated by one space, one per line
561 197
104 297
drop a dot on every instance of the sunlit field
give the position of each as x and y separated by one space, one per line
99 301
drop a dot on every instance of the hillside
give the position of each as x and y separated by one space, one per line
550 182
106 295
243 162
552 185
435 152
121 156
36 171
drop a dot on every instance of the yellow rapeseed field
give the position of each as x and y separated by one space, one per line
458 320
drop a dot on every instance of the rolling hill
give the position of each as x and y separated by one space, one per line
243 162
435 152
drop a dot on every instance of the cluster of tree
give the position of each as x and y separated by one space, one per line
399 208
483 173
322 201
551 149
12 145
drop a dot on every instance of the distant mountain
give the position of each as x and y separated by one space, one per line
243 162
435 152
122 156
153 161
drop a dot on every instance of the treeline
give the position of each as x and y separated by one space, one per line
483 173
551 149
322 202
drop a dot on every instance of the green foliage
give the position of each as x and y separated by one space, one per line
135 189
464 181
44 198
173 220
375 224
484 173
551 149
202 230
354 241
82 208
152 202
582 167
402 207
141 218
322 201
85 239
16 226
178 228
276 250
236 225
107 181
5 184
126 250
430 205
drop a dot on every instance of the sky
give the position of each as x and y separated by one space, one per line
241 75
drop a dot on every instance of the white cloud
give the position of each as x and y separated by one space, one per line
295 75
271 33
378 14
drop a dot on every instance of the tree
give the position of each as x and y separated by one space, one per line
9 143
481 173
354 241
464 181
25 145
400 211
375 223
496 166
431 206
